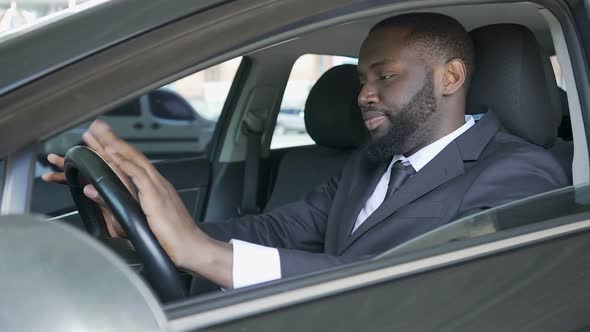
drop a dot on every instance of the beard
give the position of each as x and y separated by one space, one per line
408 128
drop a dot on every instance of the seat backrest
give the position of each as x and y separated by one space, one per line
333 120
514 78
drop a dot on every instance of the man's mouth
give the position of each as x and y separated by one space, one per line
373 119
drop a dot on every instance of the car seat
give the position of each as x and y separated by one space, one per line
333 120
514 78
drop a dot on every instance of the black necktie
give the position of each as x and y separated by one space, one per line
400 172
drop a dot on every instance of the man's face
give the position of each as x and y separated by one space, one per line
397 98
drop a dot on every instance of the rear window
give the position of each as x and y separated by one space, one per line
290 129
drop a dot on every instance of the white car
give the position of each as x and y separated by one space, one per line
291 119
160 123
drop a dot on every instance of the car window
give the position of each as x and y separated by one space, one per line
168 105
561 206
173 121
131 108
18 15
2 174
290 127
559 77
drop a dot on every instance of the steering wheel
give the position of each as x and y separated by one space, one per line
82 163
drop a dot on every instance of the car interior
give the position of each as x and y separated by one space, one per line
239 173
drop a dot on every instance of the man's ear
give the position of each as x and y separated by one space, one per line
454 76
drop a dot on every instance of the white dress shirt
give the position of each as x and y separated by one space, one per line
254 263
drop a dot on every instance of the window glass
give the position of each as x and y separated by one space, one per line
558 73
2 173
290 128
19 14
565 128
131 108
168 105
174 121
561 206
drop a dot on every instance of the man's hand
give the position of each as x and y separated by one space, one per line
113 226
167 216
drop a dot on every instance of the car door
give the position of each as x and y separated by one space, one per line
520 267
174 126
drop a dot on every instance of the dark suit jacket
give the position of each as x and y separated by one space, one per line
483 168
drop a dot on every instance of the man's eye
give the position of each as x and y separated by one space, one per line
386 77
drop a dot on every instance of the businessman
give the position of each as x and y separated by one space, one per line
426 164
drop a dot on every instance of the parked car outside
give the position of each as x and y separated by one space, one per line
290 120
160 123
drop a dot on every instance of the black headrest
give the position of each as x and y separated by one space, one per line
511 79
332 115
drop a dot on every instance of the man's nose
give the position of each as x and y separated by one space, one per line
368 96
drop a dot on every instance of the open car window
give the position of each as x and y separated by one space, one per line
173 123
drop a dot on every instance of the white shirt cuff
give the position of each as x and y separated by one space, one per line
254 263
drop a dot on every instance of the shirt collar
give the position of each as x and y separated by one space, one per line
423 156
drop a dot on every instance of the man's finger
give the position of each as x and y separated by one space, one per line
93 143
54 177
142 181
114 146
93 194
105 136
113 227
56 160
133 156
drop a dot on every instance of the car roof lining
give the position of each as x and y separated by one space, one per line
330 41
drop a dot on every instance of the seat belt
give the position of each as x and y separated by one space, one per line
249 203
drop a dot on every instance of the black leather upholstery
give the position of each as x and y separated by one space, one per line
510 79
334 122
332 115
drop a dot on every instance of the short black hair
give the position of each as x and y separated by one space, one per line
436 37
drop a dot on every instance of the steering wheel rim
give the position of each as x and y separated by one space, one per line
83 163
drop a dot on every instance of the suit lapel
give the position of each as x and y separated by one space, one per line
359 193
448 164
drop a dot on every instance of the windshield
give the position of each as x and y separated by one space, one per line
21 16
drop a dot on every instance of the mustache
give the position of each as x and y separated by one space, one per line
370 108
